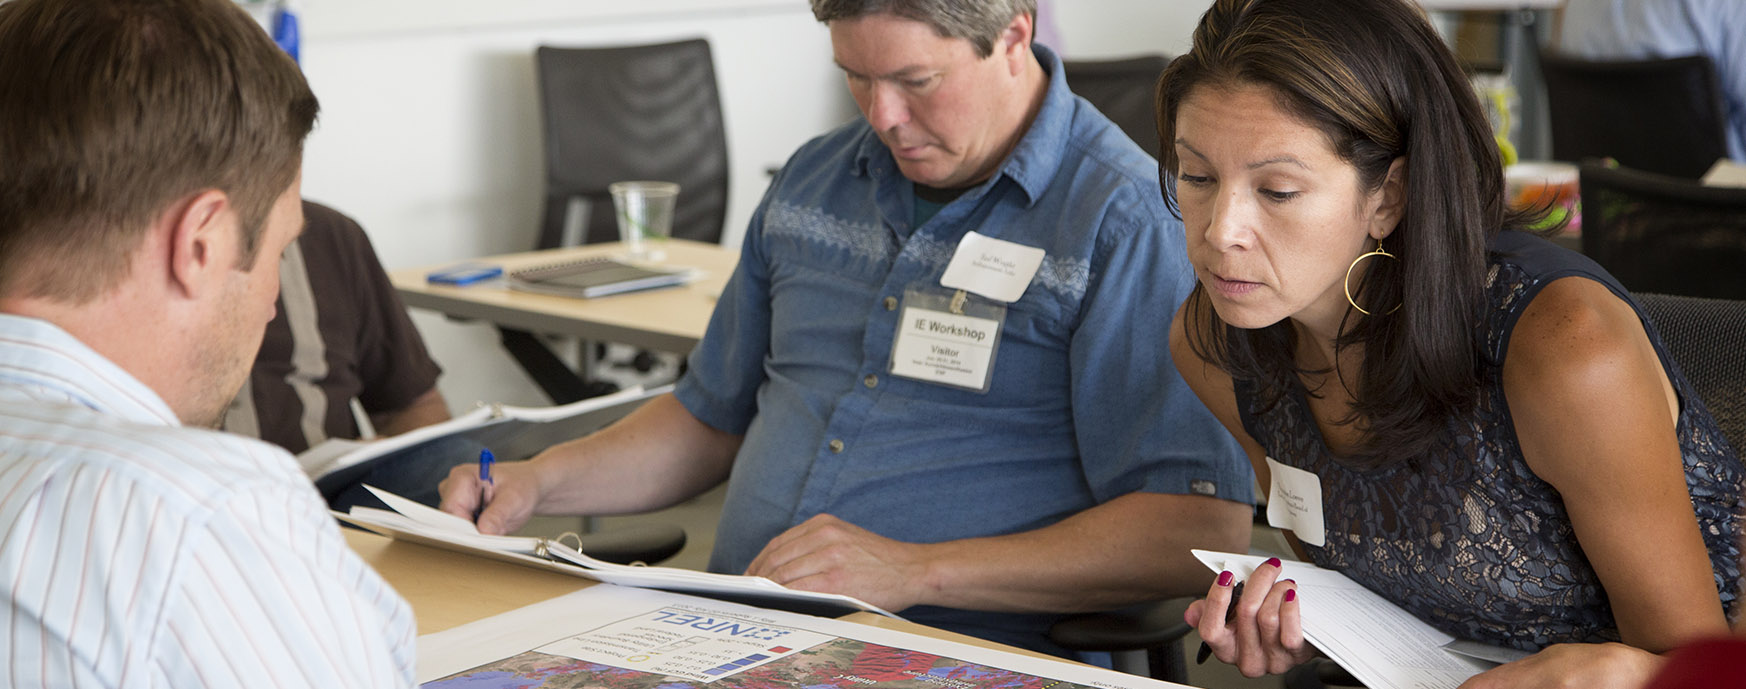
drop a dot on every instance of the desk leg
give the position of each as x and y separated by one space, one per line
561 383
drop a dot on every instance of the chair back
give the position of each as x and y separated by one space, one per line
645 112
1664 234
1661 115
1124 90
1706 337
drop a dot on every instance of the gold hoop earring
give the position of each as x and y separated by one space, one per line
1347 283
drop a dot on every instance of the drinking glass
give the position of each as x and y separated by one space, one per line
645 216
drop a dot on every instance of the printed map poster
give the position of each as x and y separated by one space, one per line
671 641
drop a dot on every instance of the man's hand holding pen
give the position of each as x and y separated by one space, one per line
486 459
498 497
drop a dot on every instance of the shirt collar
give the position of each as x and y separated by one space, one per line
39 359
1033 161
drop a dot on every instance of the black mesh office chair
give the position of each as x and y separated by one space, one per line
632 112
643 112
1663 234
1124 90
1706 338
1663 115
1143 639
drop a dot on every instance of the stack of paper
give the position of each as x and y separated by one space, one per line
1382 645
409 520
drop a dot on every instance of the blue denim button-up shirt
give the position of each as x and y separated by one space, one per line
1084 405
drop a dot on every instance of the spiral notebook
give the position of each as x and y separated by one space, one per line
594 277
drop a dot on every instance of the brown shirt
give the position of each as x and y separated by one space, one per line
340 333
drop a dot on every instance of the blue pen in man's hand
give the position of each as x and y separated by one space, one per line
485 461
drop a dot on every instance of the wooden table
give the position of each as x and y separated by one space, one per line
669 320
448 589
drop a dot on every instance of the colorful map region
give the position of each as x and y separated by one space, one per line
837 664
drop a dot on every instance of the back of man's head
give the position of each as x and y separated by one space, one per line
977 21
112 110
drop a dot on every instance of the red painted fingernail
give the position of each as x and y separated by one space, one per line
1224 578
1290 595
1272 561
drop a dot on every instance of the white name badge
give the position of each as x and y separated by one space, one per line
945 348
1294 502
993 268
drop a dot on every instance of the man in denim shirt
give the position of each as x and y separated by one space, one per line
1640 29
938 377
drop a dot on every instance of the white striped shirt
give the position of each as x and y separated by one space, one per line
135 552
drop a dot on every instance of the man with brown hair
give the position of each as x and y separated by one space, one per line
151 183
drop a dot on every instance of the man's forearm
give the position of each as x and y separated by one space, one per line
656 457
1129 549
427 409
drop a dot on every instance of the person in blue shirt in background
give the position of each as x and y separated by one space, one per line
936 381
1639 29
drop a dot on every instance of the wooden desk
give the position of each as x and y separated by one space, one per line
448 589
668 320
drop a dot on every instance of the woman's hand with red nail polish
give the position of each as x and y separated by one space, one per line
1259 630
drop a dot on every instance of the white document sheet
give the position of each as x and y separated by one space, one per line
1725 173
1382 645
412 521
609 636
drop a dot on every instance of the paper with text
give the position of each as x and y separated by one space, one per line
946 348
1382 645
1294 503
993 268
610 637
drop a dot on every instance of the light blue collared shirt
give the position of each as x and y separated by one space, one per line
1084 406
135 551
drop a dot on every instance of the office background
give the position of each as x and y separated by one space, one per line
430 128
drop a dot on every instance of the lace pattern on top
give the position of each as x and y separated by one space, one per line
1469 539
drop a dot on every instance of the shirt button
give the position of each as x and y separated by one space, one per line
871 381
836 446
891 303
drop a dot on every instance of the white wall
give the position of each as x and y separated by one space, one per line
429 132
1092 29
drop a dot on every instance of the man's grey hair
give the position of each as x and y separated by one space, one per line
977 21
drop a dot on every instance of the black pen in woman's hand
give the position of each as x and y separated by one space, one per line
1205 651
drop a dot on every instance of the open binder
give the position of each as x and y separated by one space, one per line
510 432
411 521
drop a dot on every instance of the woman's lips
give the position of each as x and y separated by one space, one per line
1232 287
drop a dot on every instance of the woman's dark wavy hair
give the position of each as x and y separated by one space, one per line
1379 83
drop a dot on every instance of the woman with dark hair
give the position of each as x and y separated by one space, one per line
1498 438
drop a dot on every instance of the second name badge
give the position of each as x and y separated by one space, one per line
947 338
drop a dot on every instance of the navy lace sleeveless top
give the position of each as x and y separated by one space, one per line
1468 538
